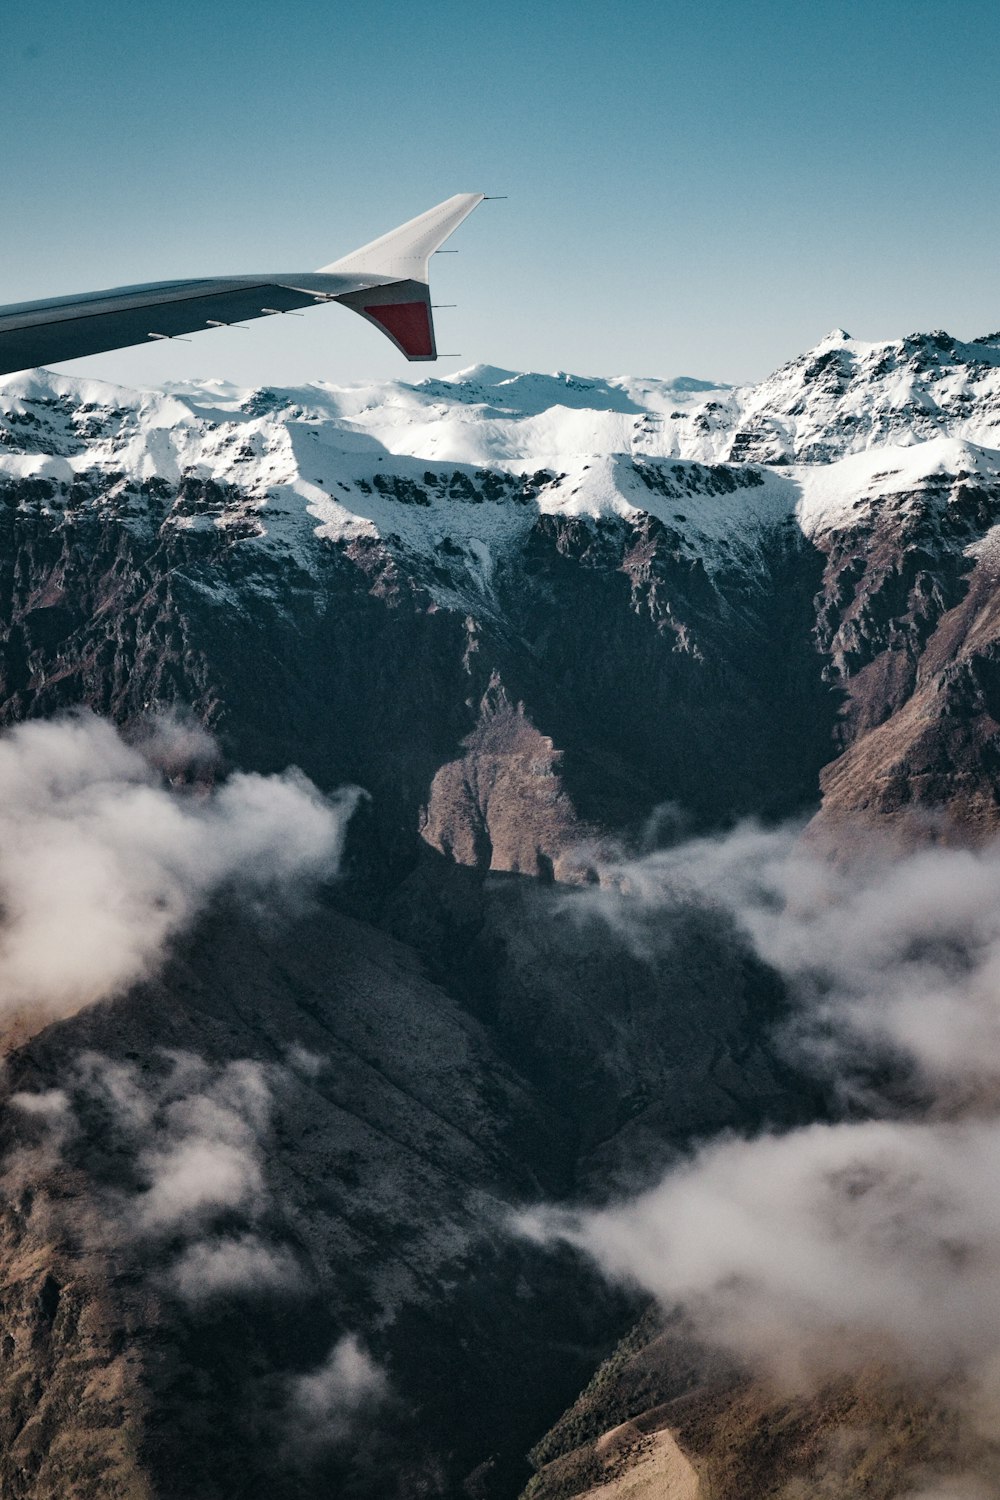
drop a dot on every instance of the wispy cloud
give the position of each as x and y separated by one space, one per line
241 1263
328 1403
191 1139
102 861
806 1253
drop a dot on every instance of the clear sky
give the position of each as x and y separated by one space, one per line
700 187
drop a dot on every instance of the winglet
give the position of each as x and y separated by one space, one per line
403 253
402 311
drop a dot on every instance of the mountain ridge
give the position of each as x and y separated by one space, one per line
542 621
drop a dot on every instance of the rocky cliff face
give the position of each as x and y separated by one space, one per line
540 620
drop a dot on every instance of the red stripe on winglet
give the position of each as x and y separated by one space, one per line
408 322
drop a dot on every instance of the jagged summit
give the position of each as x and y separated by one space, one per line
469 460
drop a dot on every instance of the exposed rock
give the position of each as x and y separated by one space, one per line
537 619
663 1413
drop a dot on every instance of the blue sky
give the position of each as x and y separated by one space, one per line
699 187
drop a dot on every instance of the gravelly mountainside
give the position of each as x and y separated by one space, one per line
665 1418
404 1122
538 619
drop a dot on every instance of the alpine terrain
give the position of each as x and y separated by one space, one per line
520 636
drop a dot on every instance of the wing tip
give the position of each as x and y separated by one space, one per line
407 324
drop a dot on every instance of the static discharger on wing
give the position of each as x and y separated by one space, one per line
385 281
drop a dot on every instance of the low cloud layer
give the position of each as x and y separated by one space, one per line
108 850
103 861
898 956
809 1253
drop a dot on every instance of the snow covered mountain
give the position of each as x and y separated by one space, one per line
537 618
452 475
306 459
864 475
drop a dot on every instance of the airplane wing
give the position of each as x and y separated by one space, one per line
385 281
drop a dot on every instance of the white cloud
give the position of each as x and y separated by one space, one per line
884 1234
196 1178
901 955
102 863
327 1404
175 743
52 1105
307 1064
195 1136
237 1263
192 1137
810 1252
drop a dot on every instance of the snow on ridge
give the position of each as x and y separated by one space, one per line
833 494
842 426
